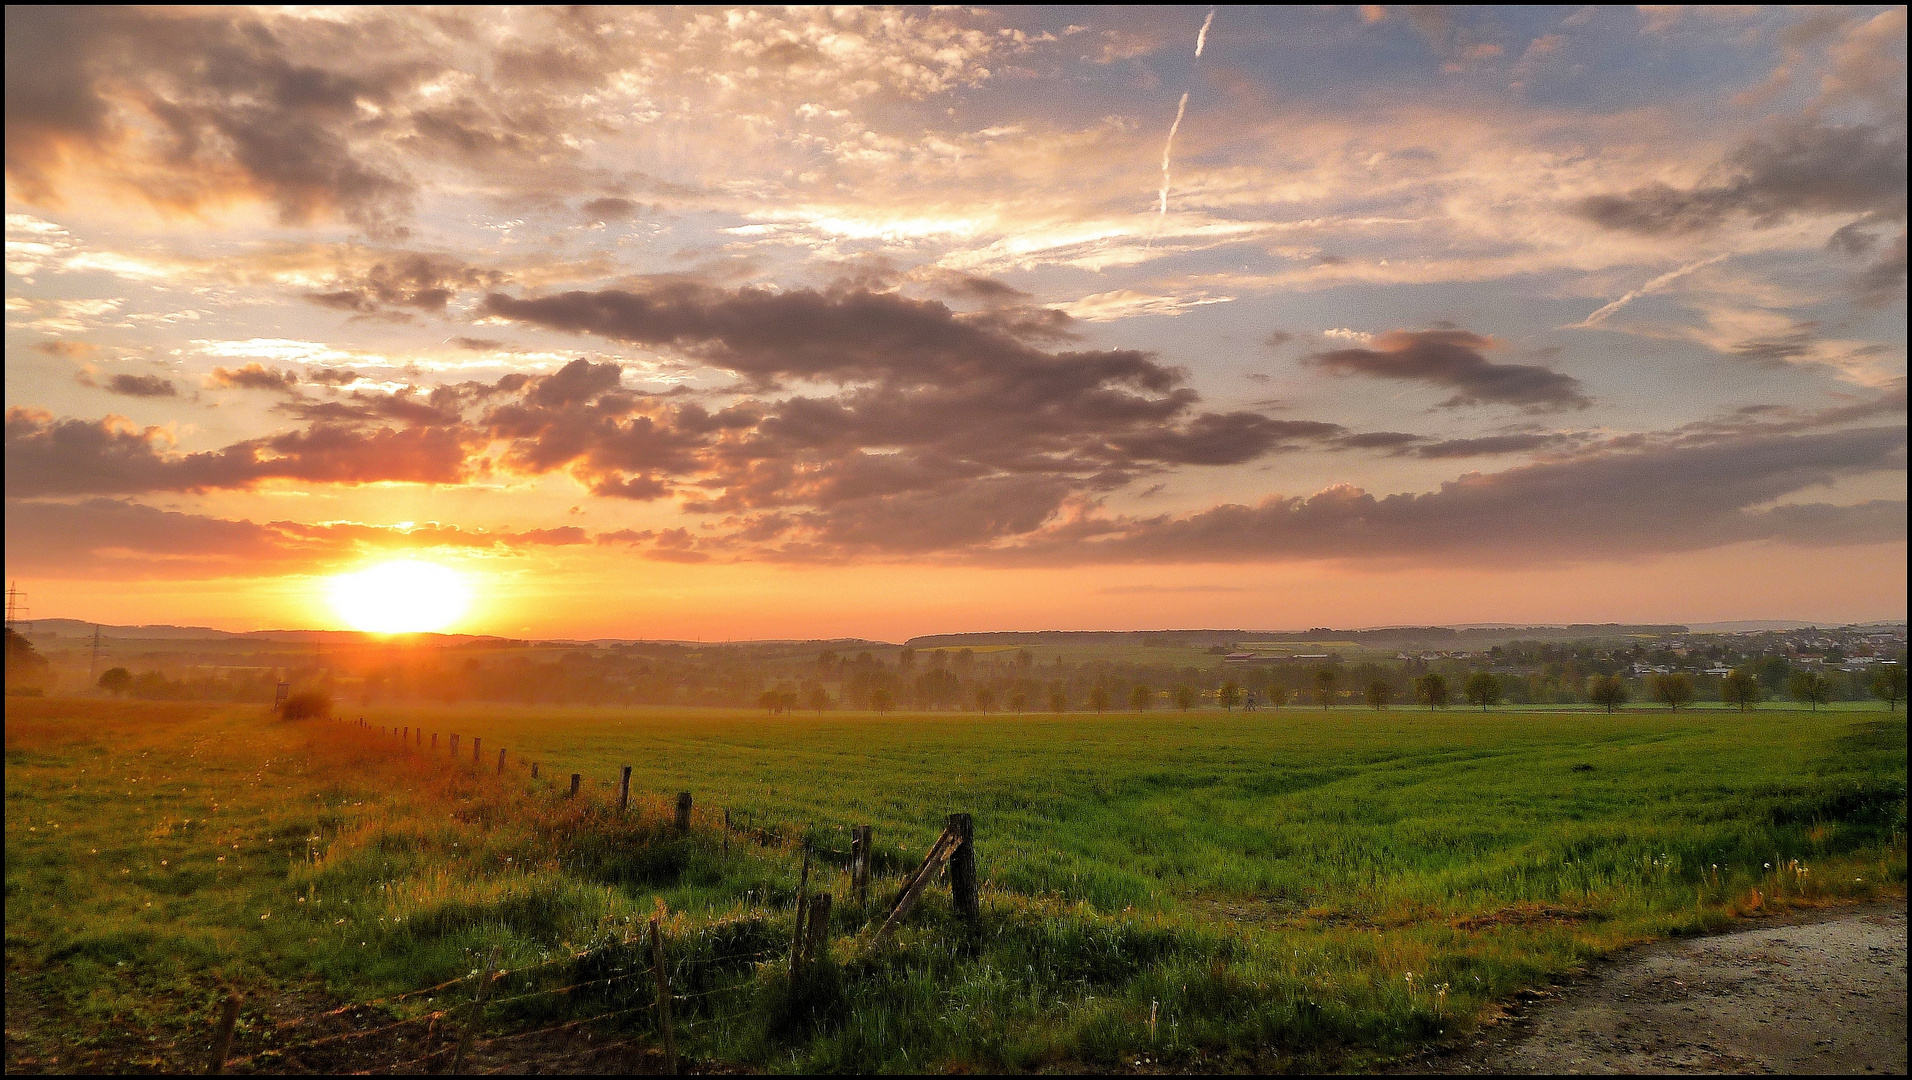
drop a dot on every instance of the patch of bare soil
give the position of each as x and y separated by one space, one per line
1822 992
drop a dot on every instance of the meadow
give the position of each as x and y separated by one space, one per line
1296 890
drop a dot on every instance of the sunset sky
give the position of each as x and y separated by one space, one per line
746 324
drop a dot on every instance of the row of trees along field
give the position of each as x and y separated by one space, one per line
798 677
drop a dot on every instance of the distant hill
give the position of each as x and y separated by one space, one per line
74 628
1469 635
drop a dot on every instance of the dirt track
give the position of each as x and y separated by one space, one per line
1822 993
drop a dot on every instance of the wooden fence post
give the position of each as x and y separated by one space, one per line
477 1003
803 904
860 865
962 870
222 1046
434 742
663 994
575 778
501 763
454 745
683 811
819 932
534 770
624 790
475 743
726 832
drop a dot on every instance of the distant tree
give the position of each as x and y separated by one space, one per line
1888 684
826 662
1378 694
1482 688
1230 695
1184 697
1141 698
1772 673
1019 702
1025 659
1608 690
819 699
1277 694
1671 690
771 701
1099 697
1741 687
985 700
27 671
1431 690
906 658
1324 679
307 705
881 700
1058 701
1811 687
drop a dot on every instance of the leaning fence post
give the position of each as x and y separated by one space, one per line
624 790
575 778
796 935
683 811
962 870
860 865
477 1002
222 1046
501 763
663 994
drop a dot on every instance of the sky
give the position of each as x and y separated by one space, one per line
735 323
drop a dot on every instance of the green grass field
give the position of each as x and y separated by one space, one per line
1301 889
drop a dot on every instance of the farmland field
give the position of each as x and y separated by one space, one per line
1299 889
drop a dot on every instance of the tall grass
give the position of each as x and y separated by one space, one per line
1292 890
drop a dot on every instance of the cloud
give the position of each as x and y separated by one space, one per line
415 280
1454 359
1798 166
146 386
112 456
116 539
1612 506
253 376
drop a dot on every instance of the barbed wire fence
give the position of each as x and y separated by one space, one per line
681 976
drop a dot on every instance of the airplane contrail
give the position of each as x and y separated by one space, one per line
1169 147
1201 39
1653 286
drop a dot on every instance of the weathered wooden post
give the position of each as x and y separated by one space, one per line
476 742
860 865
683 811
454 746
726 832
501 763
222 1045
819 931
477 1004
534 770
434 742
624 790
796 934
962 870
575 779
663 995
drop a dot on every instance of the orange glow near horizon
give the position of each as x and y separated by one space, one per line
401 597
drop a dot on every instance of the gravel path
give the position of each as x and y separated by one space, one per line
1825 994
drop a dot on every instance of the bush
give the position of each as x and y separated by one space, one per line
307 705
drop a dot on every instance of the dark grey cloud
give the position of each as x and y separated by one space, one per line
1455 359
1486 445
417 280
253 376
46 457
1796 167
145 386
223 110
1622 505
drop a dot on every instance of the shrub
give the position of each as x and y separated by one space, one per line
307 705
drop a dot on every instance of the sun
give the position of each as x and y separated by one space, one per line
406 596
